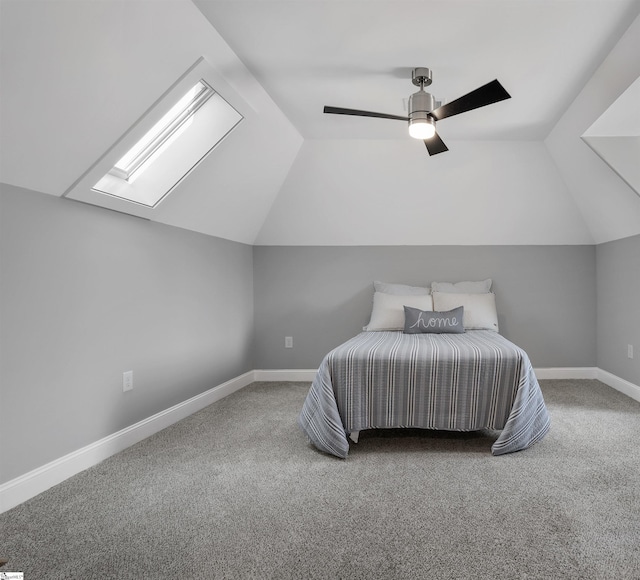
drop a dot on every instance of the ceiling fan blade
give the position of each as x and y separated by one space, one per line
356 112
488 94
435 145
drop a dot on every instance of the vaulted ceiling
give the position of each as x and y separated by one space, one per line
75 76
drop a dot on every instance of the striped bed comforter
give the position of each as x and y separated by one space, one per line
456 382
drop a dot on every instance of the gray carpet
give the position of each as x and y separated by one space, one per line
235 491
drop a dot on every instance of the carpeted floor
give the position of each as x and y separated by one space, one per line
235 491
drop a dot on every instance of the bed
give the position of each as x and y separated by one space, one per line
468 381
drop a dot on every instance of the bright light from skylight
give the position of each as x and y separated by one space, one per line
142 153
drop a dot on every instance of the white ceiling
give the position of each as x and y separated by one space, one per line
609 206
75 77
622 118
359 54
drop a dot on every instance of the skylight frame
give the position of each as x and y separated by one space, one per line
224 95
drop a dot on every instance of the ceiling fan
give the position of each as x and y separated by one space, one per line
424 110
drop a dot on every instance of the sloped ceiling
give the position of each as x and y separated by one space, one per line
76 75
615 136
610 207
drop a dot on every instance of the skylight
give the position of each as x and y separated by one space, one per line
181 138
165 144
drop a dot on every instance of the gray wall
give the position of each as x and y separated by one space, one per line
88 293
321 296
618 287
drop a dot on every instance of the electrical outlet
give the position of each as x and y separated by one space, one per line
630 350
127 381
288 341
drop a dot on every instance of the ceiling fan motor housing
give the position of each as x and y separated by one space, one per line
420 105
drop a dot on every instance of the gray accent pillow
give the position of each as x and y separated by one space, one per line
420 322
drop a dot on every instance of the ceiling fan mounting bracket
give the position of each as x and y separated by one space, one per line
421 76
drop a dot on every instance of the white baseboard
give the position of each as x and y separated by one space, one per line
295 375
31 484
567 373
605 377
619 384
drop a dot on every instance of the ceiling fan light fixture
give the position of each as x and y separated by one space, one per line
422 128
421 124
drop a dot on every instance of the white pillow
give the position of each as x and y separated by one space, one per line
388 309
479 309
462 287
399 289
